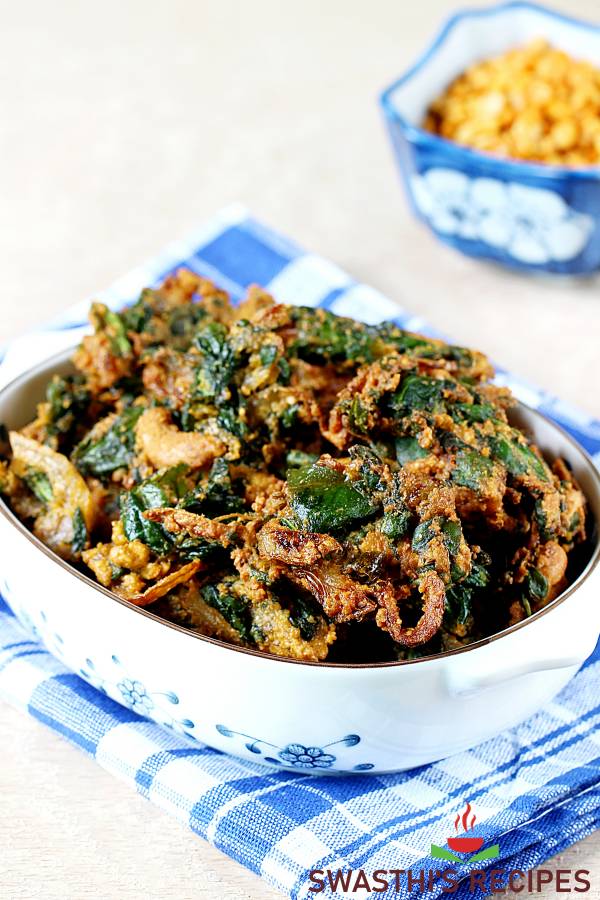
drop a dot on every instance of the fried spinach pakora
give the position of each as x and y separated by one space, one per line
285 479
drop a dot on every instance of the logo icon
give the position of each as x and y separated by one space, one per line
465 842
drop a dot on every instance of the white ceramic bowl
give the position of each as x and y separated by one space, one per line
303 716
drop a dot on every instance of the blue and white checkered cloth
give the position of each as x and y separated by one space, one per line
535 789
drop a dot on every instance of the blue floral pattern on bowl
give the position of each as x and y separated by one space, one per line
113 679
136 696
531 225
306 757
153 704
299 756
120 685
525 215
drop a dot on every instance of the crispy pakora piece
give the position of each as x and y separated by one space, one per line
293 481
65 515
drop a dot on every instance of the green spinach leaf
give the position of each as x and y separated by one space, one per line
459 597
306 616
116 331
218 361
471 469
537 585
39 484
216 495
474 412
395 524
234 609
425 533
133 505
518 458
419 392
80 534
324 500
67 399
297 458
115 449
408 449
137 317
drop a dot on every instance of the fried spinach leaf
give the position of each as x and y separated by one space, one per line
189 548
370 469
322 337
419 392
183 323
218 361
459 597
296 458
268 354
474 412
67 400
518 458
229 419
305 614
234 609
137 317
39 484
163 489
358 415
425 533
395 524
113 326
80 534
216 495
171 483
171 488
137 528
537 585
324 500
408 449
471 469
111 451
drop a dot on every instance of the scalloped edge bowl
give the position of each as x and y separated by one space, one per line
527 216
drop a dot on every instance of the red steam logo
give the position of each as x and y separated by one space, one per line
465 844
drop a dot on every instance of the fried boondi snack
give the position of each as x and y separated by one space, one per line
285 479
534 102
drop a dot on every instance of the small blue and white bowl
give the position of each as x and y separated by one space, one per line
530 216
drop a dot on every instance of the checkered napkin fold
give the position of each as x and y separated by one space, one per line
536 789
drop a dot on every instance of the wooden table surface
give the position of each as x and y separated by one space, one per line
124 124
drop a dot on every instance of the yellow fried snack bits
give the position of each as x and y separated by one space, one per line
534 102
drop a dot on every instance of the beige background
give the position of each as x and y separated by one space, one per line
123 124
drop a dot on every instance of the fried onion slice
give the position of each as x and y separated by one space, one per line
180 521
432 589
295 548
68 494
163 586
164 445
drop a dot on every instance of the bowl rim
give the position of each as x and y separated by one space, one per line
64 356
507 166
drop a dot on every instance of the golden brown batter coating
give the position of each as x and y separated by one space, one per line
285 479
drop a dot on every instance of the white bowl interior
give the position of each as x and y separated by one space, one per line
20 397
480 35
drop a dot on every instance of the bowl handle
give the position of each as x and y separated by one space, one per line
468 679
485 670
